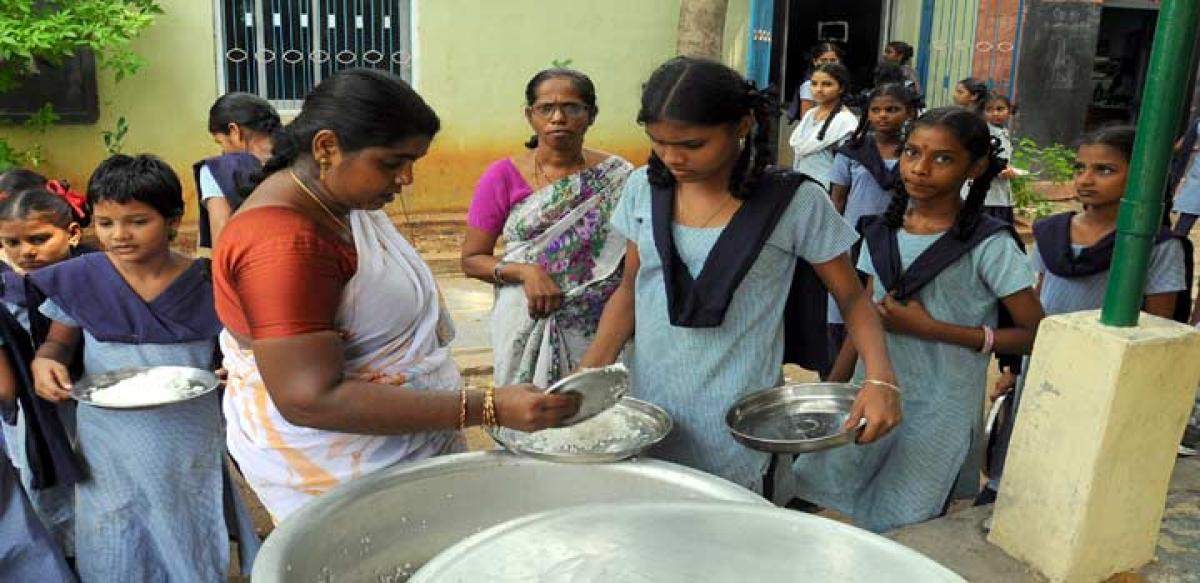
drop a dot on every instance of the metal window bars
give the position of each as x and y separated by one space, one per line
280 49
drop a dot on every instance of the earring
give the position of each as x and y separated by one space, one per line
324 163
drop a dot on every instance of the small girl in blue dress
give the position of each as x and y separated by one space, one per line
940 270
714 239
152 506
37 494
38 228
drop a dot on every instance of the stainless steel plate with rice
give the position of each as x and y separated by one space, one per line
797 418
621 432
598 388
135 388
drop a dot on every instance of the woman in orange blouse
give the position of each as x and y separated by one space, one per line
335 339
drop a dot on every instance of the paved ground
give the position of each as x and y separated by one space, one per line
958 541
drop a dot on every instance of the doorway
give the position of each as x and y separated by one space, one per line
855 26
1119 71
801 24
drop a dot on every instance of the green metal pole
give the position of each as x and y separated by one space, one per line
1142 208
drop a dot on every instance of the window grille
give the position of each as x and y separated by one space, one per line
280 49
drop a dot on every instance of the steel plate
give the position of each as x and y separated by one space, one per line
796 418
652 423
200 382
599 388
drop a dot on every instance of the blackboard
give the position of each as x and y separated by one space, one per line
1054 86
69 86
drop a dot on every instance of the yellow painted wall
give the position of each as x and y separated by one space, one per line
472 60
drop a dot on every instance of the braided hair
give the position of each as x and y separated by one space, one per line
49 207
898 91
583 86
840 74
703 92
972 133
363 107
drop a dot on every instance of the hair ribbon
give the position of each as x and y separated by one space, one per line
62 189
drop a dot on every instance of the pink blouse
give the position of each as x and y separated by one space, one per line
499 189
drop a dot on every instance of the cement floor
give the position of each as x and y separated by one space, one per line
958 541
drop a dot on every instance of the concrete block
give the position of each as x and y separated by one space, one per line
1094 445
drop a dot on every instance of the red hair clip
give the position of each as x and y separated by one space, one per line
63 190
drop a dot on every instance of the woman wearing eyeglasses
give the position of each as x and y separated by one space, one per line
551 205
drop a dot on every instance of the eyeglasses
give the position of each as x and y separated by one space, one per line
569 109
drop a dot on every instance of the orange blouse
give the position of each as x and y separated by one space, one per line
277 272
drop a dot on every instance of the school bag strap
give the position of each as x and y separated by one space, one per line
1183 303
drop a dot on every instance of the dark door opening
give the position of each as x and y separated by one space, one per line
853 25
1122 58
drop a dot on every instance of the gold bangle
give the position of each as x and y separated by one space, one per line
883 384
462 409
489 406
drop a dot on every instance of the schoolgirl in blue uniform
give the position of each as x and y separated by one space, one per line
940 271
38 228
153 504
1072 258
714 240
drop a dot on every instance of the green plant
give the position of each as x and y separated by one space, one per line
35 33
39 122
562 63
9 156
52 30
1054 163
114 139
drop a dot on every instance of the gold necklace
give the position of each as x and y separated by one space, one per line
317 200
539 174
679 207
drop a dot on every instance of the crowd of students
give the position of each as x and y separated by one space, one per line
680 268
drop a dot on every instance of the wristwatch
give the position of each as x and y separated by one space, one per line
496 272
